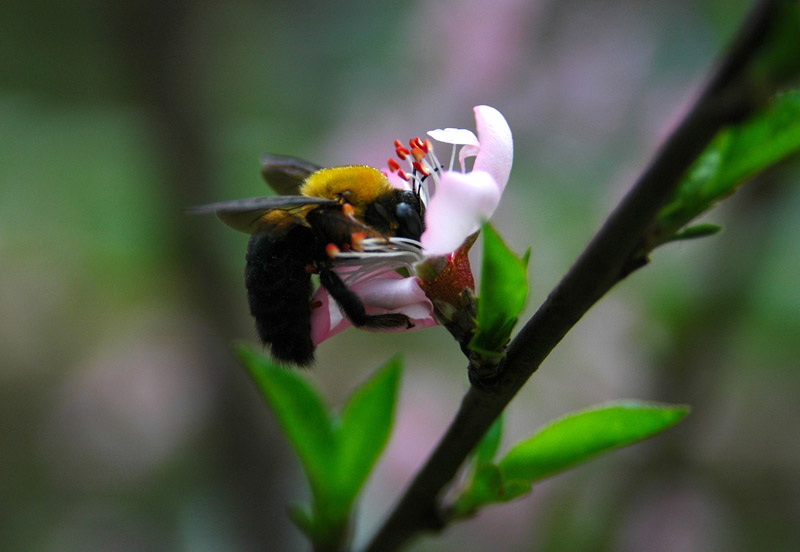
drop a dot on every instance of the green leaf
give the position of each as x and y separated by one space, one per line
485 488
488 487
737 154
514 489
302 415
485 451
304 520
504 289
484 482
697 231
758 143
579 436
565 442
337 453
777 62
366 423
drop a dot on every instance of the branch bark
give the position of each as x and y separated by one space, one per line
613 253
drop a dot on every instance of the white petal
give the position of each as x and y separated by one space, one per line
458 136
497 145
462 202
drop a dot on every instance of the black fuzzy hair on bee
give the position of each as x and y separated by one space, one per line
290 240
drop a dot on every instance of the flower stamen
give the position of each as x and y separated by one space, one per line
332 251
401 151
421 169
379 255
357 241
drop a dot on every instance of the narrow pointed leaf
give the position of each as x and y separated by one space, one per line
579 436
302 415
515 488
503 291
303 520
485 488
366 423
485 451
777 63
760 142
738 153
697 231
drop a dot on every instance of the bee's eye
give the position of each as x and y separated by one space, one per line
411 225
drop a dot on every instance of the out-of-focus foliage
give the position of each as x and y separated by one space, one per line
337 451
128 424
738 153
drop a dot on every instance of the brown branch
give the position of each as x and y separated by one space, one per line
610 256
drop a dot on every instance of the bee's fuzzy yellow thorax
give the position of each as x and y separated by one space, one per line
359 185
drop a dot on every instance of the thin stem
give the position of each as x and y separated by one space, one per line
608 258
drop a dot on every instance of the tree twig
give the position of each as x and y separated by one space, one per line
610 256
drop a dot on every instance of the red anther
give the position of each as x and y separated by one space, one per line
394 165
398 144
331 250
418 154
311 269
420 168
401 173
315 304
427 146
401 152
348 210
414 142
357 241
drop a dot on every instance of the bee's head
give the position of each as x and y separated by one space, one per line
408 213
398 213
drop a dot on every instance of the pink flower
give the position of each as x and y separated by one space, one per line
463 200
457 202
380 292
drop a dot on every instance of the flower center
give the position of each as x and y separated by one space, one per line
424 168
371 256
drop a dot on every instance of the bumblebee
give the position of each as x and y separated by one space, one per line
324 211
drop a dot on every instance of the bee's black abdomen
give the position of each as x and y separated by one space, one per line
279 292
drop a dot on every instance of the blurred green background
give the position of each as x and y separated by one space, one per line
127 425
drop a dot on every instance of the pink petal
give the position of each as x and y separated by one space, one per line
462 202
326 320
389 290
382 293
467 151
497 145
395 180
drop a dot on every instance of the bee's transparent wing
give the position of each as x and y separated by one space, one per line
285 173
247 215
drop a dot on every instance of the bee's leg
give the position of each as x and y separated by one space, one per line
353 308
